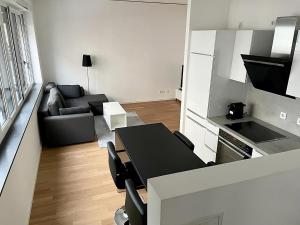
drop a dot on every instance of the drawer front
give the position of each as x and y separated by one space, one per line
195 132
202 121
211 140
192 115
207 155
212 128
256 154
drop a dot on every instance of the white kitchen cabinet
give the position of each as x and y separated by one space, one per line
294 81
195 132
200 72
211 140
203 42
207 155
256 154
208 70
249 42
205 140
242 45
208 91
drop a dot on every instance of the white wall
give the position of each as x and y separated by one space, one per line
137 48
209 14
259 14
160 1
258 191
17 195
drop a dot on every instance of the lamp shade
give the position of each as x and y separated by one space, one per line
86 61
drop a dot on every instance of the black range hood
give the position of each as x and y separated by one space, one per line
268 74
272 73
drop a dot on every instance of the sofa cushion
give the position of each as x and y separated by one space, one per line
75 102
57 92
49 86
70 91
85 100
54 102
43 108
74 110
95 98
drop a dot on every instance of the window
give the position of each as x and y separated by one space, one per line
16 76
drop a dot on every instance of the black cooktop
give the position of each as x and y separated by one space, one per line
254 131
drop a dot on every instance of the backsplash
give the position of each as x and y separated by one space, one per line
267 107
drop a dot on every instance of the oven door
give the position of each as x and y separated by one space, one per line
227 152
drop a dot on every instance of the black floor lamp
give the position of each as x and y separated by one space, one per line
87 62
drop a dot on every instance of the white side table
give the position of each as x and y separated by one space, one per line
114 115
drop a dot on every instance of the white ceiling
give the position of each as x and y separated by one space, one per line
158 1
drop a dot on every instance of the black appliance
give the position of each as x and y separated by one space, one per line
235 111
231 149
254 131
268 74
272 73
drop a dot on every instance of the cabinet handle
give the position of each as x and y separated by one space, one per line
209 148
265 63
196 122
232 149
197 53
196 114
211 132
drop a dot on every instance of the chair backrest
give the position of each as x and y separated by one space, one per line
134 206
185 140
117 168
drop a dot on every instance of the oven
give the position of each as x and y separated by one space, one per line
231 149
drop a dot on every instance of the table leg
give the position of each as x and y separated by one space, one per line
119 145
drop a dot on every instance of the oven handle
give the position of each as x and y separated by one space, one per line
235 147
234 150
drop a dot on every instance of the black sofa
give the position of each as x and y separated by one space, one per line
66 115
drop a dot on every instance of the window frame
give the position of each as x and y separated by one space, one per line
10 118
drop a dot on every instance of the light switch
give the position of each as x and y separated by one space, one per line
298 121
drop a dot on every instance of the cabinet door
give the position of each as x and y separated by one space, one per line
207 155
198 83
294 81
211 140
256 154
203 42
195 132
242 45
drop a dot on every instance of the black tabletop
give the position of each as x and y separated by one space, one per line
154 151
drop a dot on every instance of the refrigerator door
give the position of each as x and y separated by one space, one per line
199 81
203 42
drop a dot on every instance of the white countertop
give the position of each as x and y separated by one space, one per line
291 142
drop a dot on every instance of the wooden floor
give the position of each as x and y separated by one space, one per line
74 185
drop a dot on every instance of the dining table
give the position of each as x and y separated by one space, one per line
155 151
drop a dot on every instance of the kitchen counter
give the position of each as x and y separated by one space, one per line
291 142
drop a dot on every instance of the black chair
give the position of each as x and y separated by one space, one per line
185 140
119 171
135 208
